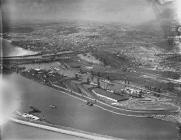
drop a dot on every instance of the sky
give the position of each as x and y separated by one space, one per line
122 11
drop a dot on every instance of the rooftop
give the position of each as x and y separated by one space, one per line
109 94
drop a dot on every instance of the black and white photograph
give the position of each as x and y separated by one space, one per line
90 69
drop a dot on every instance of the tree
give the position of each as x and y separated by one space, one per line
88 80
98 82
170 86
76 76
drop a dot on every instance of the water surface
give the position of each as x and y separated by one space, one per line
8 50
74 113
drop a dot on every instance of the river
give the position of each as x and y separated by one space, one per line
9 50
71 112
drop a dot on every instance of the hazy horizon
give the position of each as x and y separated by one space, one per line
119 11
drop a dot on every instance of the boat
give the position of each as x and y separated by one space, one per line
52 106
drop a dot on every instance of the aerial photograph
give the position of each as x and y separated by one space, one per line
90 70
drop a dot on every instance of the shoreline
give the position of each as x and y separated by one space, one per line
72 128
66 130
99 103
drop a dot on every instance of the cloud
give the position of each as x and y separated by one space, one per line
127 11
